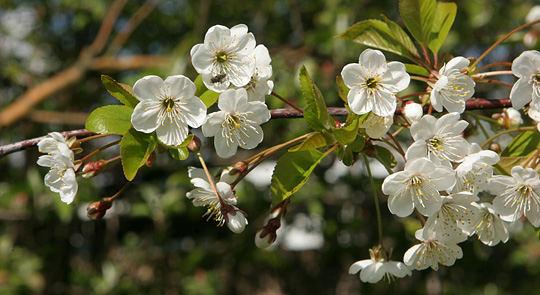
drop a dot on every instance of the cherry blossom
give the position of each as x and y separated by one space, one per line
224 57
453 87
167 107
237 123
374 82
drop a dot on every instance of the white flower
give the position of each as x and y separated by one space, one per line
455 213
452 88
237 122
224 57
527 89
377 268
412 111
167 107
204 196
517 195
417 186
55 143
440 140
377 126
61 178
535 115
431 251
475 171
259 86
374 83
487 225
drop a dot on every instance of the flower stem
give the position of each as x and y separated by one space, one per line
287 102
210 179
113 159
493 73
501 41
93 137
99 150
375 199
506 132
493 65
119 192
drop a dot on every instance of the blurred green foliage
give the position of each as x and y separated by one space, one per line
155 241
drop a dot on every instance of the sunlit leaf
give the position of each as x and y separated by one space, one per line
209 98
315 114
122 92
111 119
374 33
444 19
292 171
417 70
401 36
312 141
418 16
135 148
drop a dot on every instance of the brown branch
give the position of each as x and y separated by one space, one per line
29 143
34 95
131 25
111 63
471 104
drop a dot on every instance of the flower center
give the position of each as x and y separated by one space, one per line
236 128
371 83
435 143
168 103
222 57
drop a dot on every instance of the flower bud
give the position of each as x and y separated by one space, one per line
412 111
195 145
496 147
92 169
151 160
264 239
236 221
97 210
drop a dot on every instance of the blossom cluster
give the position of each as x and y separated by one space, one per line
447 180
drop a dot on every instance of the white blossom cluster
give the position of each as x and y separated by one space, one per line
444 174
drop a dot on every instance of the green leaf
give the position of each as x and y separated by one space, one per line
179 153
418 16
342 88
111 119
523 144
313 140
385 157
374 33
315 114
350 153
445 15
122 92
418 70
347 133
402 37
135 148
209 98
199 84
292 171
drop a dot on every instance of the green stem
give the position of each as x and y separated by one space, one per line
375 199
